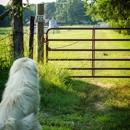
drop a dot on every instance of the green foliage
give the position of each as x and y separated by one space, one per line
71 11
53 80
2 9
115 12
64 11
50 10
27 13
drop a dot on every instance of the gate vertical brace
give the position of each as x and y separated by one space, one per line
47 43
93 52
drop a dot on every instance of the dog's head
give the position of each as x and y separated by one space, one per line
23 63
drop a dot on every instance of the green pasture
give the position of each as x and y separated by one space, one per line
78 104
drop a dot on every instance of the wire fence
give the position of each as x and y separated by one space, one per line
8 37
6 43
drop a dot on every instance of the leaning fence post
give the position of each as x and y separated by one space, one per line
31 37
40 32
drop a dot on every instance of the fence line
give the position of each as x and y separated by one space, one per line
6 45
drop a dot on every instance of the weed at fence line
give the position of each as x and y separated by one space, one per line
53 79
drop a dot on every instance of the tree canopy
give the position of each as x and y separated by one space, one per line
115 12
64 11
50 10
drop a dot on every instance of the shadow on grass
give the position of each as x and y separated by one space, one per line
4 72
78 105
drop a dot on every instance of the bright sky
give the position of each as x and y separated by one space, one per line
4 2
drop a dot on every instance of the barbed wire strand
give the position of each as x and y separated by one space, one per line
65 45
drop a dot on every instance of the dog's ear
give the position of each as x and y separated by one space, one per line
17 65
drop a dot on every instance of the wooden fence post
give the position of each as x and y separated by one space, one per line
17 28
31 37
40 34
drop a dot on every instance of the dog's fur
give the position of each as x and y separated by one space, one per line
19 106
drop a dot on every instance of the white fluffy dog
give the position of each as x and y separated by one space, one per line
19 106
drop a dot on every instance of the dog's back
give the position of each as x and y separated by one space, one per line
21 97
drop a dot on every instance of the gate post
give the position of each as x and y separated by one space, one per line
40 33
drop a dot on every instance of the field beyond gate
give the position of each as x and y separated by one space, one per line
90 52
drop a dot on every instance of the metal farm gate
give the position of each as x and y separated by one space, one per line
93 50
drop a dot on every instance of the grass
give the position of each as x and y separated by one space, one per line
80 104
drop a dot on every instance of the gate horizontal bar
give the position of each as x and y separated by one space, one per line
84 28
53 49
100 76
89 59
97 68
88 39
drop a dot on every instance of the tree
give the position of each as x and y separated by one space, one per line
50 10
8 19
116 12
2 9
28 12
75 11
70 11
61 11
